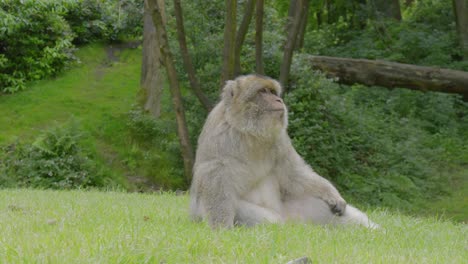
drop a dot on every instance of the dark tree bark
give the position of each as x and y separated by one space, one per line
329 8
290 44
182 131
290 19
259 38
318 16
187 60
388 8
302 26
152 80
392 74
460 8
241 33
229 41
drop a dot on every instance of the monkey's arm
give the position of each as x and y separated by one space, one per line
216 199
301 180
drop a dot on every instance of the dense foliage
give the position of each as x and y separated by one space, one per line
59 158
108 20
380 147
36 36
35 42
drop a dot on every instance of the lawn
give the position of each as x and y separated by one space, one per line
114 227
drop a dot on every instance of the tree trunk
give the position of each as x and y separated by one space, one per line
461 16
388 8
392 74
229 41
187 60
329 8
302 26
182 131
241 32
290 44
259 38
290 19
152 79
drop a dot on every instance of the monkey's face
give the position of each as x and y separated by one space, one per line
254 105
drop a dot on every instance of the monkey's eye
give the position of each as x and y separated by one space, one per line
264 90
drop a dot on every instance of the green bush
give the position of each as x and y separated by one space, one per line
36 36
154 150
59 158
381 147
85 21
108 20
35 42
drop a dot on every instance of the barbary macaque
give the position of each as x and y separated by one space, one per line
247 171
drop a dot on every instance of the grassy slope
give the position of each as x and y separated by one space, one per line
89 92
96 227
96 92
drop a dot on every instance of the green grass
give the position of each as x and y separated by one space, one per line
111 227
90 92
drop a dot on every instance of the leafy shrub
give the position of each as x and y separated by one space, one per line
154 151
437 13
35 42
84 18
59 158
380 147
107 20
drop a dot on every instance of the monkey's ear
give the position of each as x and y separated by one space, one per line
229 90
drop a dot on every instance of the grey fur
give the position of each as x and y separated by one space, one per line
247 172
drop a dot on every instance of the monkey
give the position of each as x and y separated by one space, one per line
247 172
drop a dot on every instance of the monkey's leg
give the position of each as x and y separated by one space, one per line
314 210
250 214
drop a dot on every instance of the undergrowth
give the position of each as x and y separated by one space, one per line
395 148
63 157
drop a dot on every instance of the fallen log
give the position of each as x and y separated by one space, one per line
392 74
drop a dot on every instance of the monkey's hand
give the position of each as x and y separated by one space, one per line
337 203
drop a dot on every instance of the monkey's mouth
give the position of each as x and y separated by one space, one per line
276 110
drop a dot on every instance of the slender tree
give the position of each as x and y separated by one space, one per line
182 131
229 41
187 60
291 42
302 26
259 38
461 16
241 33
152 79
290 19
